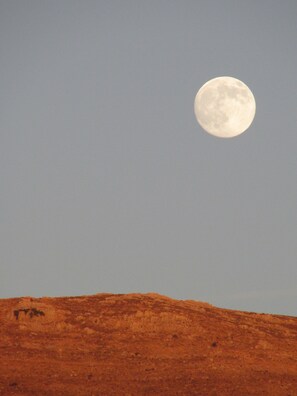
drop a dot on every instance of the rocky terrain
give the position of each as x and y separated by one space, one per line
142 344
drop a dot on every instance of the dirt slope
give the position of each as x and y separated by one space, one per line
142 344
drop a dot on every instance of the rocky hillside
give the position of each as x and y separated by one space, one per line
142 344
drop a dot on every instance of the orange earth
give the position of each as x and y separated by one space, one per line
142 344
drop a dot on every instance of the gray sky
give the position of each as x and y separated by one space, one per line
108 183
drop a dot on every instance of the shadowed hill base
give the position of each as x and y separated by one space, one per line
142 344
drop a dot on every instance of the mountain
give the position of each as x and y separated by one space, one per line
142 344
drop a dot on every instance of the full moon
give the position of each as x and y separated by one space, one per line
225 107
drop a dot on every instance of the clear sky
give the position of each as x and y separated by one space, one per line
108 183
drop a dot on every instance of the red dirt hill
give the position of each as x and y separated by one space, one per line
142 344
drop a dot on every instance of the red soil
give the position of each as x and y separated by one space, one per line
142 344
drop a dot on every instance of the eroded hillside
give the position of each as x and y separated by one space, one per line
142 344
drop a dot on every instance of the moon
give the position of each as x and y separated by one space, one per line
225 107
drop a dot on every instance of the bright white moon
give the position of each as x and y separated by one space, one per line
225 107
